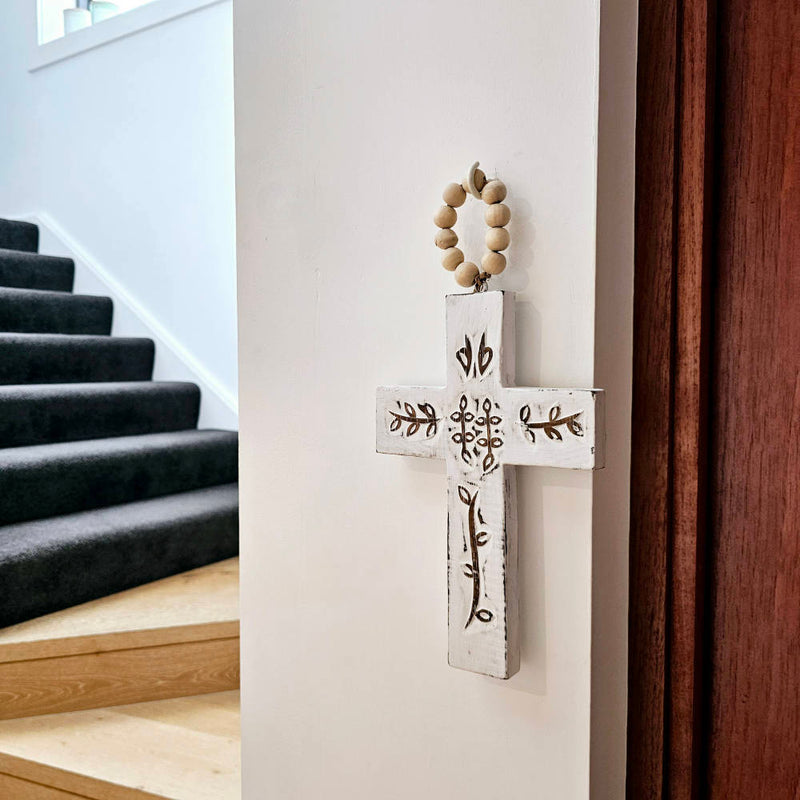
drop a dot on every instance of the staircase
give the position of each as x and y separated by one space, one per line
171 648
105 481
180 749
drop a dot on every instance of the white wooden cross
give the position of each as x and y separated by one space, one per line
482 424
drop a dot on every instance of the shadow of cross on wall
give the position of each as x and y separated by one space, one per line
482 425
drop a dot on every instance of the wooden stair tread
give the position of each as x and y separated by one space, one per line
179 749
172 638
192 606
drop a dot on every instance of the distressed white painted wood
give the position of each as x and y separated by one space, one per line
482 425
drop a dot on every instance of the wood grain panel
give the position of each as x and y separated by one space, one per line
754 708
671 335
77 784
652 394
124 640
177 749
689 425
55 685
12 788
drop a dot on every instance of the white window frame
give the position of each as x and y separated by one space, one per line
125 24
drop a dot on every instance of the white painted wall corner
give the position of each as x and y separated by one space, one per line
218 407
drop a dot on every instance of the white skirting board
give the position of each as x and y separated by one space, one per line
173 362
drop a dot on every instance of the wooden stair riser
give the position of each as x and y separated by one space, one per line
18 789
72 683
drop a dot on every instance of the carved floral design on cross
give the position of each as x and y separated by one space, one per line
483 425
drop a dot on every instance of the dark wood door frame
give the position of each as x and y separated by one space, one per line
674 186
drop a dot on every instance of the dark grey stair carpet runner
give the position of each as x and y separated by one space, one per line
22 236
38 311
105 481
32 271
66 412
56 358
55 563
50 479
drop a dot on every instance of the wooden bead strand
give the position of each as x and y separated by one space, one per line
497 215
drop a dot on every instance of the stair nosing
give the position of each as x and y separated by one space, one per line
117 445
100 387
60 338
55 294
34 254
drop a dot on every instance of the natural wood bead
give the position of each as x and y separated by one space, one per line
445 217
497 215
454 195
452 258
497 238
480 181
494 192
466 273
493 263
446 238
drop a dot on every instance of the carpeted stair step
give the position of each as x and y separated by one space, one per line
37 311
68 412
49 479
19 235
58 562
56 358
32 271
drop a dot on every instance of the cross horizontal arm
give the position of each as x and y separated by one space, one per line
410 421
554 427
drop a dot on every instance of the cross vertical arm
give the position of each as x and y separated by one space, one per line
483 630
480 340
482 595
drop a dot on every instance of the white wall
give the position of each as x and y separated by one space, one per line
129 149
350 119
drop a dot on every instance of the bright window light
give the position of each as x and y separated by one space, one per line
51 14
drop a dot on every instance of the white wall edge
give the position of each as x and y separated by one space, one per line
218 406
110 30
616 157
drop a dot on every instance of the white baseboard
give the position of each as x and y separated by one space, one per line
218 406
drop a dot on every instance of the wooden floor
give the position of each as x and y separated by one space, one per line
182 749
174 637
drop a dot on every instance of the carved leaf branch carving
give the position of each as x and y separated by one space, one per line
485 355
464 356
477 434
472 568
408 415
465 435
489 439
475 364
551 425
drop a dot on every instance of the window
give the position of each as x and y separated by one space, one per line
51 15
